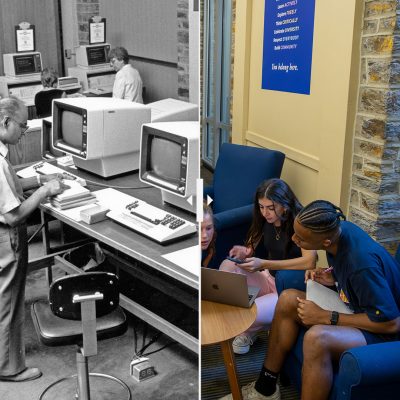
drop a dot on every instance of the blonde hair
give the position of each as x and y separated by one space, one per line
211 250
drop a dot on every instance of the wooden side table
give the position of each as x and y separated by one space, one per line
219 324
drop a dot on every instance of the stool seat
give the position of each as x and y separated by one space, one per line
82 308
55 331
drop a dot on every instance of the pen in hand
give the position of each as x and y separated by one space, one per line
327 270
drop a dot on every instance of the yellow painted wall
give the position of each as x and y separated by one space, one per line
314 131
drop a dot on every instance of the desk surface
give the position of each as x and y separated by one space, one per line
129 242
220 322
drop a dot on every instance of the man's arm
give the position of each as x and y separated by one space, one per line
362 321
29 183
19 214
311 314
119 87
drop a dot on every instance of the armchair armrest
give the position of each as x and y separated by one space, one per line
236 216
375 364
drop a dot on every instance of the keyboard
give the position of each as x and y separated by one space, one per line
44 168
153 222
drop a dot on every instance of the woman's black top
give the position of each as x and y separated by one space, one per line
275 244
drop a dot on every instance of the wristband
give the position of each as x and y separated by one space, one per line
38 180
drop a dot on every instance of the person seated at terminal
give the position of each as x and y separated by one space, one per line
128 83
367 278
275 208
14 210
208 236
44 98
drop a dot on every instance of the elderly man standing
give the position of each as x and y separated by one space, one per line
14 210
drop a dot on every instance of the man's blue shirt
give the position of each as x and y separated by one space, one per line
368 275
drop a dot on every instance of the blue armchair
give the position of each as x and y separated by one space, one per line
238 172
364 373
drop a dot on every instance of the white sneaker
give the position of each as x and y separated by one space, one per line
241 344
249 392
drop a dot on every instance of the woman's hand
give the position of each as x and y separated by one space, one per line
240 252
311 314
321 275
252 264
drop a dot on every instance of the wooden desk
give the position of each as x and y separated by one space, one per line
142 252
219 324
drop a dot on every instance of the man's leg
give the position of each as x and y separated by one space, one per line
283 335
323 345
284 330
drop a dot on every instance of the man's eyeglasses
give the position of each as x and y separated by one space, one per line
24 127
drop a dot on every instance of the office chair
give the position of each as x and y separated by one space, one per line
44 99
238 172
81 309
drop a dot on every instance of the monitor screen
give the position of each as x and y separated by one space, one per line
169 160
26 64
165 159
97 55
71 128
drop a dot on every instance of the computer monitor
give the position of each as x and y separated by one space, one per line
22 64
47 150
173 110
92 56
170 160
101 133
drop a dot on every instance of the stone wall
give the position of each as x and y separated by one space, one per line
183 49
375 198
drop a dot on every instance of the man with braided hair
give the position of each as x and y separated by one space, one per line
367 277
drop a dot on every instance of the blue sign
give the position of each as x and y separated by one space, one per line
287 49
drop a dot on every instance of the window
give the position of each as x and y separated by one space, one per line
216 120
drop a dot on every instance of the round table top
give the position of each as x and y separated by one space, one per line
220 322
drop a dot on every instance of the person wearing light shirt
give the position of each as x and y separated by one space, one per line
128 84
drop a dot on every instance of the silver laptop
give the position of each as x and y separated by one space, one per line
227 287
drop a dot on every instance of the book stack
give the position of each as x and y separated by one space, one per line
75 196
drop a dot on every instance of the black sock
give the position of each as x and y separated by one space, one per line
266 382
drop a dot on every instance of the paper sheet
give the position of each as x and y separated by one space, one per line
74 190
34 124
109 198
188 259
113 199
44 167
326 298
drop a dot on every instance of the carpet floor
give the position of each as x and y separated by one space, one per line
214 380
